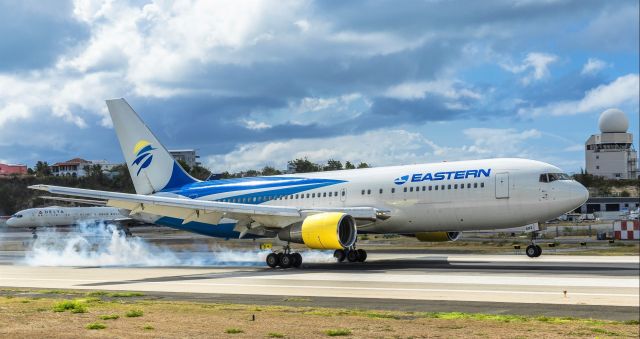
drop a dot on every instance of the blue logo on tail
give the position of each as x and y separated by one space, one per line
143 154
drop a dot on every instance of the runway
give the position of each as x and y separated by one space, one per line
602 287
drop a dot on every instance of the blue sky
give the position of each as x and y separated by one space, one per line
255 83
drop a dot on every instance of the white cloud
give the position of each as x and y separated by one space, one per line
499 142
537 65
623 90
255 125
593 66
303 25
393 147
574 148
450 89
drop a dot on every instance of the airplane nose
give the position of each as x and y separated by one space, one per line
581 193
11 222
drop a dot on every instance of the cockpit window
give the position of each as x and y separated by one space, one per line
550 177
17 216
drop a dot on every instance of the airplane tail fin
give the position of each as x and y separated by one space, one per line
151 166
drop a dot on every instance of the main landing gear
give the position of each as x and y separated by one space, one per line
284 259
533 250
351 254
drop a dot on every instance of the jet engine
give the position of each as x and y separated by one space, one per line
328 230
438 236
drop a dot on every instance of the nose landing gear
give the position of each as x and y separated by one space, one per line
533 250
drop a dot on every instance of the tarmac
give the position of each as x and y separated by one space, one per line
601 287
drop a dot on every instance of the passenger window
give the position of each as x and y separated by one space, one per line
475 185
313 195
461 186
393 190
410 189
430 187
344 193
308 195
362 192
330 194
381 191
469 185
424 188
324 195
369 192
482 184
455 186
436 187
405 190
336 194
448 187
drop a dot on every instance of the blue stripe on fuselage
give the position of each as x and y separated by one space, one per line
289 185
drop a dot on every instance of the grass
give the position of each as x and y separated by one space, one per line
233 331
96 326
275 335
148 327
74 306
134 313
109 317
602 331
338 332
297 299
125 294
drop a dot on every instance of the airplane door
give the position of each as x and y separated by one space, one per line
502 185
343 194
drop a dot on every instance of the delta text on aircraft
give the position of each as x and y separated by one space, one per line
326 210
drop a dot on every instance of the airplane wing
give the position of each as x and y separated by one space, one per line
210 211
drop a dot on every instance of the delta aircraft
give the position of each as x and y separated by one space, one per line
326 210
55 216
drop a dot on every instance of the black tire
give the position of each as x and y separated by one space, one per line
352 256
531 251
286 261
339 255
362 255
538 250
297 259
272 260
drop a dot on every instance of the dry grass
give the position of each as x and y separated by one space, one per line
36 318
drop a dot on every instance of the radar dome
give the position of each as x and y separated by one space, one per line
613 120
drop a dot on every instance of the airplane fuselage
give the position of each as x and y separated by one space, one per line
446 196
62 216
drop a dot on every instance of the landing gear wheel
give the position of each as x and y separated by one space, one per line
352 255
339 255
272 260
532 251
362 255
539 250
297 259
286 261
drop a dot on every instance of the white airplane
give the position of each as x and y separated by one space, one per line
56 216
326 210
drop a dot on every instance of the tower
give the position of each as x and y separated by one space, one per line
610 154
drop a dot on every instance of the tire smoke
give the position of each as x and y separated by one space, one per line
100 244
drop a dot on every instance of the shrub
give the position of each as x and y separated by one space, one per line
70 305
96 326
338 332
233 331
109 317
134 313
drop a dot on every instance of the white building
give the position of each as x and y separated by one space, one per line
189 156
75 167
611 154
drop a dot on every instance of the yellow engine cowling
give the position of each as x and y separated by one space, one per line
326 231
438 236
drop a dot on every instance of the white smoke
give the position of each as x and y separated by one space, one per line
100 244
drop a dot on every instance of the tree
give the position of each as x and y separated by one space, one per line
268 170
251 173
304 166
184 165
349 165
333 165
200 172
363 165
42 169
